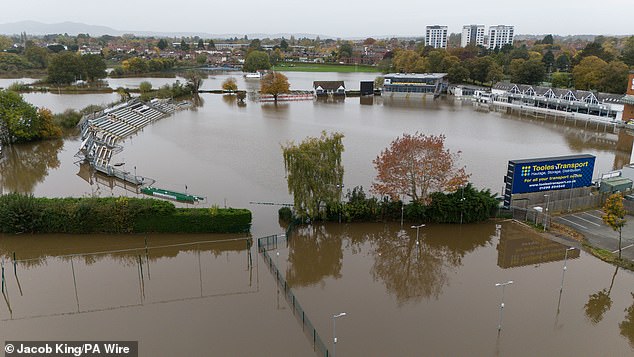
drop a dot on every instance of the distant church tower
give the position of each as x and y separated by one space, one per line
628 110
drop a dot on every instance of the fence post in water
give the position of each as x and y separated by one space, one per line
15 271
249 257
3 275
147 259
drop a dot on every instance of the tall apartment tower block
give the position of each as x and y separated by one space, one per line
472 35
500 35
628 99
436 36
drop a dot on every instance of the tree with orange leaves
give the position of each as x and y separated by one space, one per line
274 83
416 166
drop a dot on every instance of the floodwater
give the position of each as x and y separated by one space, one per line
439 299
231 154
200 295
177 298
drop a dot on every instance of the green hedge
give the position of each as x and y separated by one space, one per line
21 213
467 205
187 220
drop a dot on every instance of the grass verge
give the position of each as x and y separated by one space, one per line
324 67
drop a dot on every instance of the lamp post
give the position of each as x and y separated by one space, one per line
417 241
547 213
417 230
502 301
334 332
402 210
563 274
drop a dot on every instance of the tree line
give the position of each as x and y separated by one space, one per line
600 65
414 166
20 121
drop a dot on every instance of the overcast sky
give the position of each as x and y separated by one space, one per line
338 18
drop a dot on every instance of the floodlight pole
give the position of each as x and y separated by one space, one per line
334 332
563 274
503 285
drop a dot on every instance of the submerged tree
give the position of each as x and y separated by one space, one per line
230 84
194 80
65 68
314 173
415 166
615 215
22 122
274 84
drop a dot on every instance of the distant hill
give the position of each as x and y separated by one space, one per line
566 38
74 28
71 28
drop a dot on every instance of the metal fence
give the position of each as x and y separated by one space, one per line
561 201
531 216
271 242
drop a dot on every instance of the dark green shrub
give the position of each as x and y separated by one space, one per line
19 213
24 213
359 207
68 119
467 205
187 220
285 214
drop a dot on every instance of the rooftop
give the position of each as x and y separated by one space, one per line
416 75
329 85
628 99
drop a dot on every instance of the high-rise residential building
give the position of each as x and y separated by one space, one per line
628 100
472 34
436 36
499 36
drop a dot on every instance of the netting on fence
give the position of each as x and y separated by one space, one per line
271 242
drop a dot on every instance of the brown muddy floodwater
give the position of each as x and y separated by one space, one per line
434 298
439 299
176 298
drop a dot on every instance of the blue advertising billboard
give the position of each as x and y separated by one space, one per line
553 173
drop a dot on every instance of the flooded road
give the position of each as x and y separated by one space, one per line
437 297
